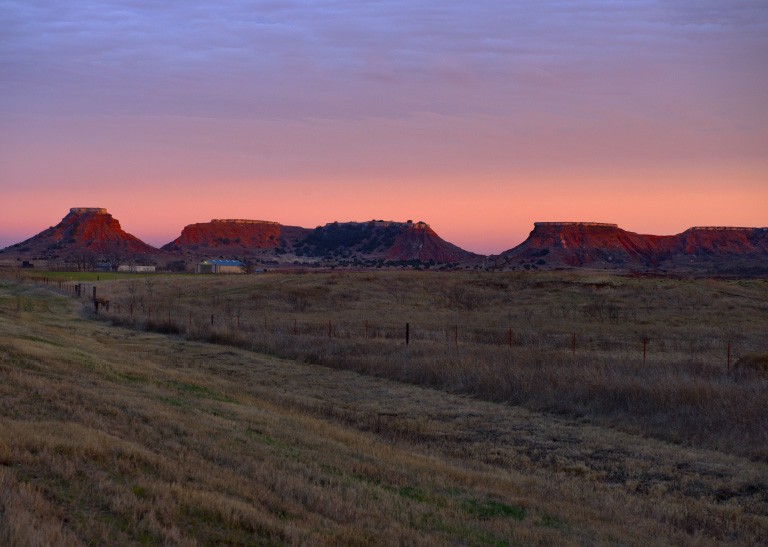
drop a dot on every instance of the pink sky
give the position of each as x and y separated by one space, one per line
477 118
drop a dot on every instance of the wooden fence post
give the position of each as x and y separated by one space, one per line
573 343
407 333
728 353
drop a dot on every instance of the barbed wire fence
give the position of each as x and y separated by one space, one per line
250 325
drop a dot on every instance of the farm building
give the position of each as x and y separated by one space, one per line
217 266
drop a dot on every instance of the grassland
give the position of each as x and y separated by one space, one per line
566 343
117 435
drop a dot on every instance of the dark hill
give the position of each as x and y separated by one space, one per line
380 240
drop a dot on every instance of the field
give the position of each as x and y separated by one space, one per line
311 421
653 356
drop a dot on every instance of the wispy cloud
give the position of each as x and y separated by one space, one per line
345 58
434 89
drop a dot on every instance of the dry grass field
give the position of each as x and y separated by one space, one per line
114 435
566 343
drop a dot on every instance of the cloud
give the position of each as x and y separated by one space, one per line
387 86
345 58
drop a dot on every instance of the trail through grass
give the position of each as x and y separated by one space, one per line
113 436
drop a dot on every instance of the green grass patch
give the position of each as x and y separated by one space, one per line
493 509
94 276
132 377
33 338
462 533
548 521
412 493
173 401
263 438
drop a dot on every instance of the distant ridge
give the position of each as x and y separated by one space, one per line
346 241
603 245
92 233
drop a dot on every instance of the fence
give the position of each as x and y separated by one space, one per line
252 326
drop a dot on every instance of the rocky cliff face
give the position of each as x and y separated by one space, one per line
723 241
235 236
84 229
575 244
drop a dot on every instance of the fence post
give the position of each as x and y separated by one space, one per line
407 333
456 336
509 337
330 328
573 343
212 319
366 328
645 343
728 352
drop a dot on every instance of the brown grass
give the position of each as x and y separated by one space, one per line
757 362
460 329
115 436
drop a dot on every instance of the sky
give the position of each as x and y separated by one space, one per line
478 117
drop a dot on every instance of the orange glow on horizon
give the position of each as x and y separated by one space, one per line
485 217
480 121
